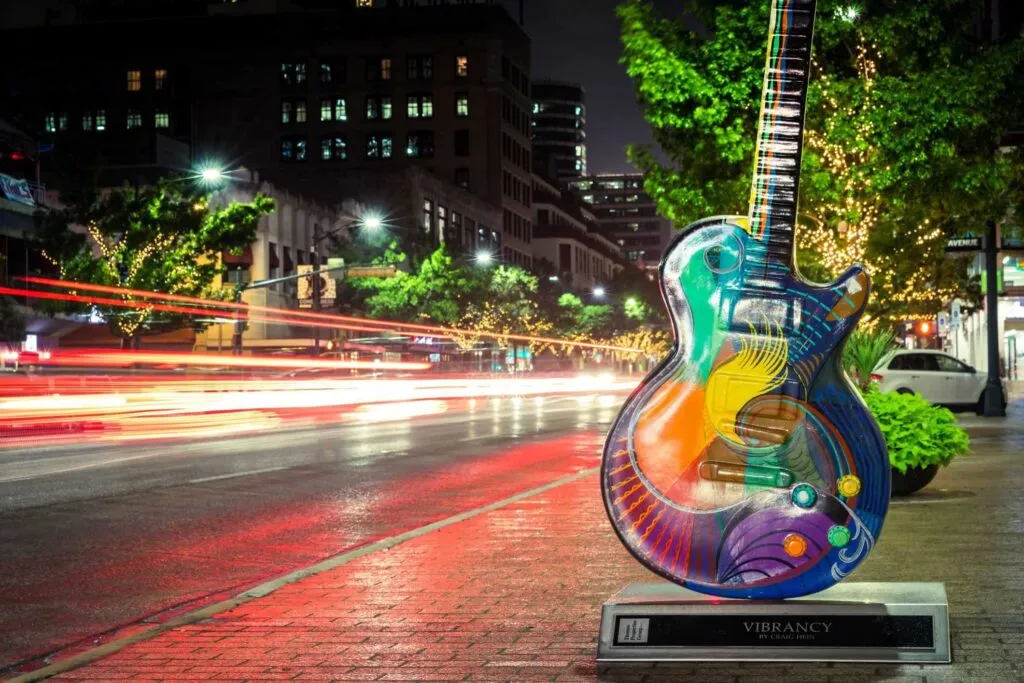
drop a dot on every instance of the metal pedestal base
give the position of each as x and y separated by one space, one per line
849 622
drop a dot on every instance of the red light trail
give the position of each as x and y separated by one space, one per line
308 318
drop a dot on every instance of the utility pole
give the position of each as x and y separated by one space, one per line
315 257
994 398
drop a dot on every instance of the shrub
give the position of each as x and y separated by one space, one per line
917 433
863 352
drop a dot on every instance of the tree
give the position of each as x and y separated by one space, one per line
582 322
438 290
507 306
904 109
165 238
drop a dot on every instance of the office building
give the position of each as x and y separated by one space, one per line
627 215
559 130
307 94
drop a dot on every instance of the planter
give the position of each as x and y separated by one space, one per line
915 479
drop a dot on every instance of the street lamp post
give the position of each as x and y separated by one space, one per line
993 387
315 258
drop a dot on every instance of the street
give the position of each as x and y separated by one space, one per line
97 537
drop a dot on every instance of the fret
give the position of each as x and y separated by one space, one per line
780 135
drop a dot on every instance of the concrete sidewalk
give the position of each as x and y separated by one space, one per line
515 593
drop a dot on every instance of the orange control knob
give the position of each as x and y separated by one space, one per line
795 545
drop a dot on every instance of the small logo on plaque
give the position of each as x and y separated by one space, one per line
634 630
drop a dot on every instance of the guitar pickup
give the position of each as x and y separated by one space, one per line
753 475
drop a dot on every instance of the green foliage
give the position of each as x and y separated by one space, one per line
916 131
863 351
163 238
580 321
438 290
636 309
917 433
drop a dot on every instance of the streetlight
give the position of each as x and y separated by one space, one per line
598 292
484 257
373 222
212 175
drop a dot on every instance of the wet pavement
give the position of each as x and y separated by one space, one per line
514 594
97 538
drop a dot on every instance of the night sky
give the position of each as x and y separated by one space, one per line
578 41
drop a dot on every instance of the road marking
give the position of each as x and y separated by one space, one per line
269 587
237 474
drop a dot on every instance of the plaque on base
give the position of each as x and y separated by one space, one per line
849 622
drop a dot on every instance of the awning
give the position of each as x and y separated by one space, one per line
243 259
288 265
274 262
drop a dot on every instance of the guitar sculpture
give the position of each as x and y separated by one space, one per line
746 465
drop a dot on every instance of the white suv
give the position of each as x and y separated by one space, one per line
936 376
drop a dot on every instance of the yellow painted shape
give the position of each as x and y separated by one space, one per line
756 370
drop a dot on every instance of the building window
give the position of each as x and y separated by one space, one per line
419 67
378 146
462 177
420 106
462 66
333 148
159 77
293 73
293 111
162 119
334 109
50 122
134 81
293 148
101 119
442 219
62 121
87 121
134 119
364 3
378 107
325 72
378 69
420 144
462 104
462 143
428 215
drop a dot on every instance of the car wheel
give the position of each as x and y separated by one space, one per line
904 390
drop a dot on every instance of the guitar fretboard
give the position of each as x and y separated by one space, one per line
773 198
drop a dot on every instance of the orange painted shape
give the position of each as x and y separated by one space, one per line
670 433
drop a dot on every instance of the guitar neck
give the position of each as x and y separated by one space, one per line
780 128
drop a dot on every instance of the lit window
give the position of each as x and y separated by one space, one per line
101 119
420 106
325 72
462 104
334 110
162 120
428 215
134 81
340 109
326 110
385 69
333 148
364 3
293 73
293 148
420 144
159 76
293 111
134 119
378 146
50 122
62 121
87 121
378 107
462 66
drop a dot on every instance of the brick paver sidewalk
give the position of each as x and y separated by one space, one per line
515 594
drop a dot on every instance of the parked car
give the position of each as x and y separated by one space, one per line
936 376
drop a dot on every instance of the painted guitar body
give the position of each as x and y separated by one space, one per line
746 465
